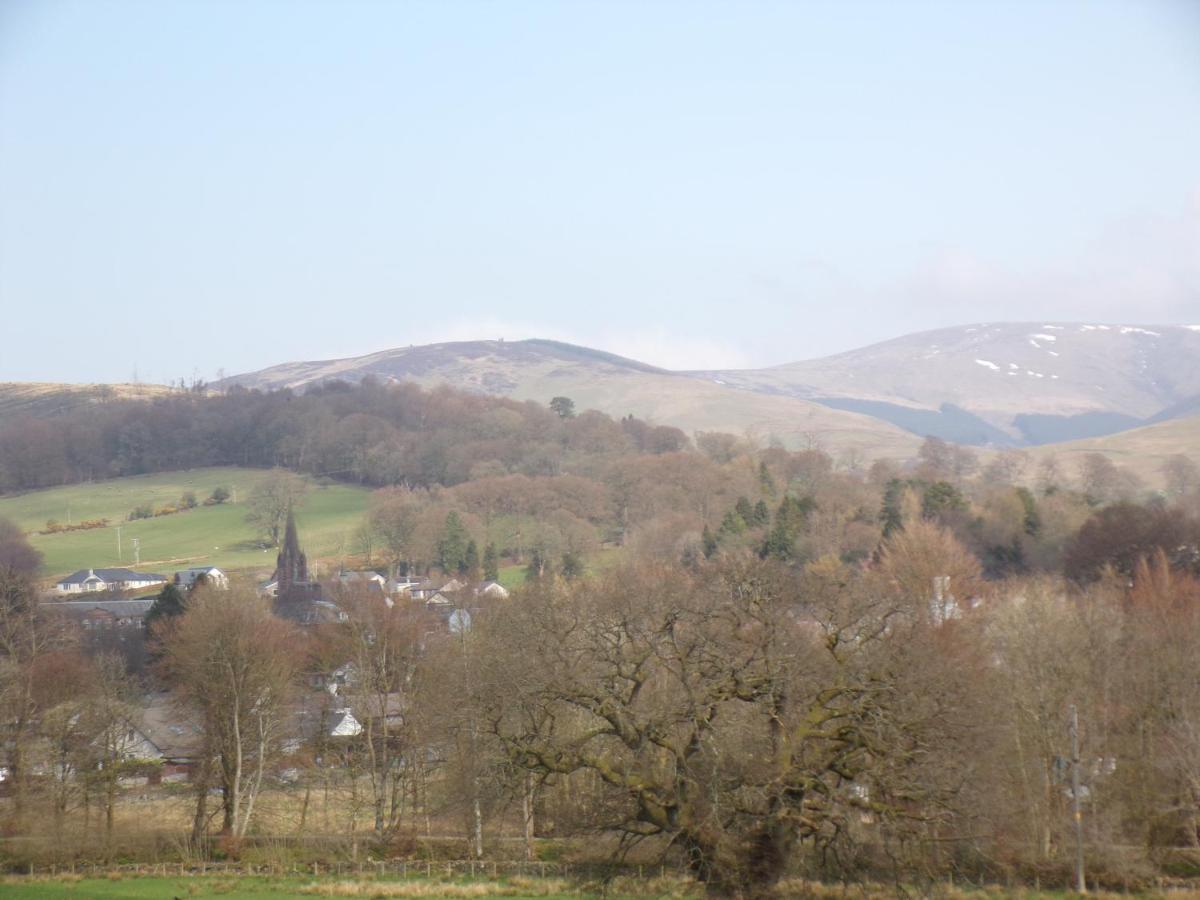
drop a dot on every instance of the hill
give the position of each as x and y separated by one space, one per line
539 370
207 535
1010 384
1016 383
1140 450
44 399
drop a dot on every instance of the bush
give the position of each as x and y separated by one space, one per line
219 495
188 500
142 511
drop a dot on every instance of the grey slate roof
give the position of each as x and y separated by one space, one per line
121 608
109 575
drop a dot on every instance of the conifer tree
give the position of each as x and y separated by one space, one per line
452 548
491 565
470 562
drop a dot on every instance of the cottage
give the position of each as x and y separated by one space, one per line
167 734
90 580
210 575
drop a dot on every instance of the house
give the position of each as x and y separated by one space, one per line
427 589
91 614
493 589
167 734
372 581
90 580
211 575
402 585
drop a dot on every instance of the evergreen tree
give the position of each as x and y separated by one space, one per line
732 523
452 548
941 498
890 515
744 510
571 566
793 513
167 605
708 543
762 515
1033 519
564 407
779 544
765 480
470 561
491 565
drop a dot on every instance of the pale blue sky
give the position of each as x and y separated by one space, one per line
194 186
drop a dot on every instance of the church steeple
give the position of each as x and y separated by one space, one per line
291 566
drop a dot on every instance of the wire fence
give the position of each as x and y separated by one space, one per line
401 869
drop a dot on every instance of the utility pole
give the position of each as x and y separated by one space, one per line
1073 726
137 551
118 543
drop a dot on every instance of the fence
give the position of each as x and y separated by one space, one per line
426 869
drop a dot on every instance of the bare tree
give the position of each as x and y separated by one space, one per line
382 644
270 500
723 712
235 664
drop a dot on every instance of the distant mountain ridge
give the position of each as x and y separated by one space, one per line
1018 383
999 384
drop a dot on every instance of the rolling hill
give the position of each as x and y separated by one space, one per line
207 535
43 399
539 370
1142 451
1010 384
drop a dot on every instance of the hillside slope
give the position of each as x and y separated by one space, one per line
539 370
43 399
207 535
1027 383
1140 450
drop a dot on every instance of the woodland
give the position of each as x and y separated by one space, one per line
747 662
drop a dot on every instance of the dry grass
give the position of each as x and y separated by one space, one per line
422 888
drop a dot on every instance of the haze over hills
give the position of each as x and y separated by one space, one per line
989 384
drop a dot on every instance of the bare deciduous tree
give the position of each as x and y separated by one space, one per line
235 664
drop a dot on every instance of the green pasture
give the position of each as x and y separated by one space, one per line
207 535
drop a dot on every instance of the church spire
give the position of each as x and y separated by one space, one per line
291 541
292 566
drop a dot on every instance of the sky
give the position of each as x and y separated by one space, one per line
196 188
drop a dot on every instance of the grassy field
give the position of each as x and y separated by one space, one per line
207 535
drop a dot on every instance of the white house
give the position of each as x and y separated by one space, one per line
86 580
213 576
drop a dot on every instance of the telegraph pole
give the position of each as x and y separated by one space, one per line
1073 727
118 543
